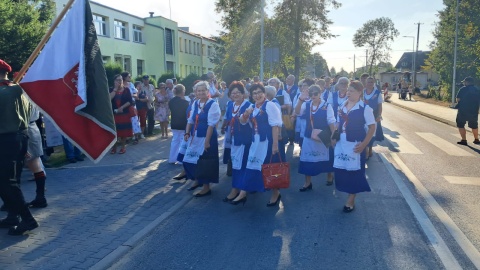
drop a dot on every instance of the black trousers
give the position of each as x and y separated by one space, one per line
150 122
14 147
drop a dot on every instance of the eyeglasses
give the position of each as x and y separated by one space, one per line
257 93
315 94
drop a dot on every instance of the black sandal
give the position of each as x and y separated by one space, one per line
348 209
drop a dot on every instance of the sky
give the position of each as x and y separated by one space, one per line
339 52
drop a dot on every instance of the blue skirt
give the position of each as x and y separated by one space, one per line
212 152
316 168
238 176
352 182
378 136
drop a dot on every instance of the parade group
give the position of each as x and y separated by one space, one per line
334 121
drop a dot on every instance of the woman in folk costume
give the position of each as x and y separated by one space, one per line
226 131
349 158
241 140
315 157
340 95
204 116
374 99
266 121
301 122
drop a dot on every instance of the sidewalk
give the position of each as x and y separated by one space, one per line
439 113
96 208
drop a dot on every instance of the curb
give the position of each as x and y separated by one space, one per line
130 244
439 119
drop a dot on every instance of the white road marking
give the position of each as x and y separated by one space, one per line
458 180
403 145
432 234
444 145
449 224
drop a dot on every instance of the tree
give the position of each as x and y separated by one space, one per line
23 25
342 73
321 66
440 59
112 69
188 82
376 35
333 72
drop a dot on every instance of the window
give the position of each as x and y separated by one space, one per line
137 34
169 42
127 64
180 44
100 25
120 29
119 59
186 71
203 51
190 46
105 59
186 51
170 66
198 49
140 67
209 53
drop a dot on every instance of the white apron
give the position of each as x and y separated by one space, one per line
195 149
227 140
258 152
184 146
236 156
313 151
344 157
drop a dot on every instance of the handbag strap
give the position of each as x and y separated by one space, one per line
280 157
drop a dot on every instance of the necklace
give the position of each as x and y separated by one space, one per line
236 111
313 111
201 107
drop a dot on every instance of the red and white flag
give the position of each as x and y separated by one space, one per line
68 82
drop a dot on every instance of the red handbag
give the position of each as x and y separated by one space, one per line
276 175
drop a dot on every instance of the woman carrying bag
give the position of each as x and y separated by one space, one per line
203 147
266 121
349 160
316 156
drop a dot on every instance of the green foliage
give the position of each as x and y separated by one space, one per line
151 80
468 49
295 28
321 67
112 69
23 25
166 76
188 82
376 35
333 72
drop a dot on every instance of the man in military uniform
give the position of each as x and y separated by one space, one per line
14 114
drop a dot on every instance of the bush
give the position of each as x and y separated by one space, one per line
140 79
168 75
112 69
188 82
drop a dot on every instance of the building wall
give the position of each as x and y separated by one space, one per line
152 55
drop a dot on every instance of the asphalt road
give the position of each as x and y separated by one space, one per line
419 164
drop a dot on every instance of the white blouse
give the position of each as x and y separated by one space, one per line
368 97
330 114
274 114
367 113
213 114
340 100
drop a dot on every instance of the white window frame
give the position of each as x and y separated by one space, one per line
100 21
120 29
137 33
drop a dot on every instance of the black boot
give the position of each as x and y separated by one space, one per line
9 221
40 201
28 223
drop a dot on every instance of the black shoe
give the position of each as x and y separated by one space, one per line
72 160
198 195
9 222
23 227
269 204
463 142
309 187
38 203
180 177
3 208
193 187
348 209
242 200
477 141
226 199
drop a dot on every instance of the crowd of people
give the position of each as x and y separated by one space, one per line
335 122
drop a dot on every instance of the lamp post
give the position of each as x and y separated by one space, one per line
261 39
455 55
413 51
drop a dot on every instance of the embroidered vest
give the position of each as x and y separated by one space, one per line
202 123
319 118
243 133
355 128
373 101
263 127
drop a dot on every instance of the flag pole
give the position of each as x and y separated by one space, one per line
42 43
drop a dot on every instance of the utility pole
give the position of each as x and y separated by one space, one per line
455 55
354 70
414 81
366 59
261 39
170 6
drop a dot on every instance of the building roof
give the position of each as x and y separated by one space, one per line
405 62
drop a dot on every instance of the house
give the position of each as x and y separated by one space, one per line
151 45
